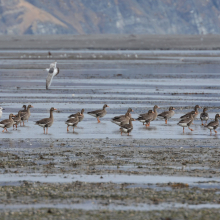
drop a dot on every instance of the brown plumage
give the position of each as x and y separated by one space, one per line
195 113
128 127
25 115
167 115
186 122
146 118
81 116
46 122
204 116
213 124
73 121
99 113
7 123
17 119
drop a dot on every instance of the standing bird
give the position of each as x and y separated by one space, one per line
17 119
204 116
81 116
167 115
1 111
128 127
99 113
186 122
52 71
213 124
7 123
25 115
122 119
46 122
146 118
195 113
73 121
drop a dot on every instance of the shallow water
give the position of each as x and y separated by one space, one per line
137 83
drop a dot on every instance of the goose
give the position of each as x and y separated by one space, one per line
204 116
128 127
146 118
73 121
195 114
46 122
52 71
122 119
167 115
186 122
213 124
81 116
7 123
99 113
17 119
25 115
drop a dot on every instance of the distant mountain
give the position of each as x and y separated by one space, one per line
42 17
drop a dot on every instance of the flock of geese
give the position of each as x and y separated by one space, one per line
124 121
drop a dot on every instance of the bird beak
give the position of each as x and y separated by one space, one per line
132 110
200 107
55 109
32 106
134 120
152 111
158 107
13 115
107 106
174 109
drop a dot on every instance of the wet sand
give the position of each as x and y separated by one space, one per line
96 172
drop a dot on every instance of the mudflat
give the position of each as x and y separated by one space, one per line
111 42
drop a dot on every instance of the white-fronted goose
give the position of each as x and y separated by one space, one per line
1 111
17 119
52 71
195 114
146 118
128 127
213 124
73 121
7 123
167 115
186 122
81 116
46 122
99 113
204 116
25 115
122 119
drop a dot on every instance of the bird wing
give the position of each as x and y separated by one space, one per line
5 122
57 71
96 112
49 79
163 114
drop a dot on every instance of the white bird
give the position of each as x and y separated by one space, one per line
1 111
52 71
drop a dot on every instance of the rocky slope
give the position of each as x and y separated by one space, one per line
110 16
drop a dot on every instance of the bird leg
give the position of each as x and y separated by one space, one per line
23 123
210 131
215 131
121 133
67 128
128 134
183 129
44 130
190 129
98 120
166 121
16 126
73 129
3 129
202 123
47 130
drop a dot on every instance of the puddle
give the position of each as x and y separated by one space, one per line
148 179
93 205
